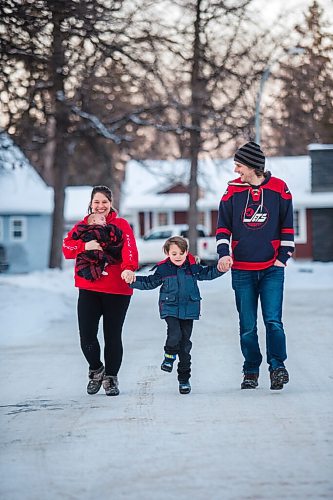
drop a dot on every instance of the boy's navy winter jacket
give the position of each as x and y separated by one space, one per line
179 294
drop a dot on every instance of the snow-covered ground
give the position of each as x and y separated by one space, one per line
151 442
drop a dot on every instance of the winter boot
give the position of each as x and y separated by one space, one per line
184 387
95 382
168 362
110 385
279 377
250 381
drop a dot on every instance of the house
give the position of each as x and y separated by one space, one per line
155 193
319 206
26 207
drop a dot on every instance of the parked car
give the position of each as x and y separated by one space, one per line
150 246
3 259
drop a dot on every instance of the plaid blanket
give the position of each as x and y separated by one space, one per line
91 263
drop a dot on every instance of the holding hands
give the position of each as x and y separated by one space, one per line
224 264
128 276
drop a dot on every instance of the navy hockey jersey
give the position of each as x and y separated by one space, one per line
256 224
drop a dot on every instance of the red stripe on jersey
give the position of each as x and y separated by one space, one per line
223 230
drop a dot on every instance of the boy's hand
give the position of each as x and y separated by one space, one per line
224 264
128 276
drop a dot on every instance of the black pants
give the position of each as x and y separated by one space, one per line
178 342
91 307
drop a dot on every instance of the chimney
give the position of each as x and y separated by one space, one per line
321 167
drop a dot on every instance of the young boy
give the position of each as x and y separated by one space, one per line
91 264
179 302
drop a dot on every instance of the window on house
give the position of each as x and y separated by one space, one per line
17 228
300 226
162 218
201 218
1 228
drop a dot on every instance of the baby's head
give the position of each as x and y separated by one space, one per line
176 248
97 219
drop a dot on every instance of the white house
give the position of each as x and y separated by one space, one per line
155 193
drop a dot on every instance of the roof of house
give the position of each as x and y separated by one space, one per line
24 192
145 179
319 147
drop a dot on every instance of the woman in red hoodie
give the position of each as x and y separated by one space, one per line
108 296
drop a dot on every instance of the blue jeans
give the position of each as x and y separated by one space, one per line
267 285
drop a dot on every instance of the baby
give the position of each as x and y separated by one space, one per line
91 264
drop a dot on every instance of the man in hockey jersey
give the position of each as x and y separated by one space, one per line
255 238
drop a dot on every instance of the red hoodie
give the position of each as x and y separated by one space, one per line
112 282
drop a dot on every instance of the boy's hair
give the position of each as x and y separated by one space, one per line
175 240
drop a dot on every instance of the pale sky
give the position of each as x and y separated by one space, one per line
293 9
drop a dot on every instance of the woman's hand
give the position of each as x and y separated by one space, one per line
128 276
92 245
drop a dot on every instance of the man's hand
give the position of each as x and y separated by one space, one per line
277 263
128 276
224 263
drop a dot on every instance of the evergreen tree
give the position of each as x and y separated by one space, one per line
302 112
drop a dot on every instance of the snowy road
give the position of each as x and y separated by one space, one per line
150 442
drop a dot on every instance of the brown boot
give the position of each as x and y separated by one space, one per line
279 377
110 385
95 382
250 381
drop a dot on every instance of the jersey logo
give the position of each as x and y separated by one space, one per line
255 216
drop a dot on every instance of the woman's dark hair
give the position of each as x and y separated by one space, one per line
104 190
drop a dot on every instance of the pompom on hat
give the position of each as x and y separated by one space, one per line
250 155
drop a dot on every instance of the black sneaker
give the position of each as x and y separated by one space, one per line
279 377
168 362
95 382
184 387
110 385
250 381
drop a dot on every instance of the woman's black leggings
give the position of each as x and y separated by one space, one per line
91 306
